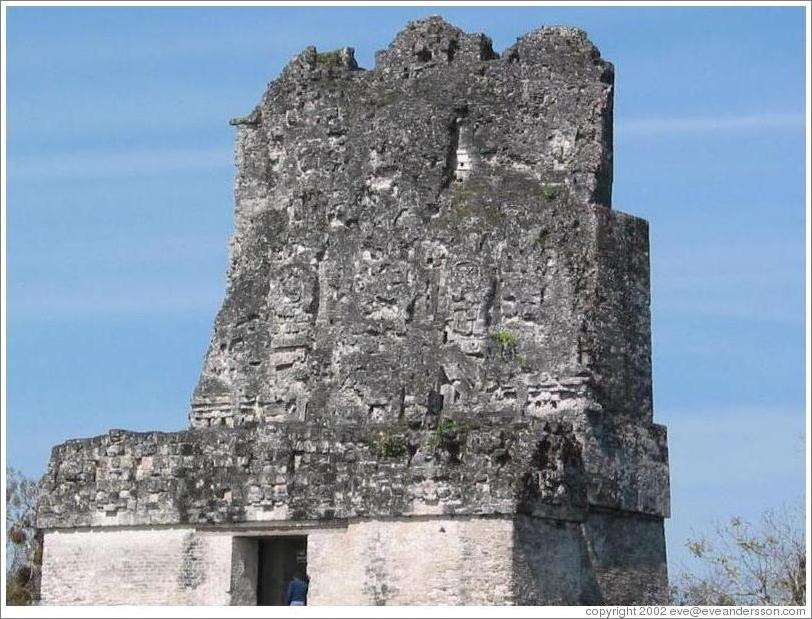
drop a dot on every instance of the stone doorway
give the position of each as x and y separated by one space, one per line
278 560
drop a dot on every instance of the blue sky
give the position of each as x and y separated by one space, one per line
119 209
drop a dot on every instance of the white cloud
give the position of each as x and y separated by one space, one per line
645 127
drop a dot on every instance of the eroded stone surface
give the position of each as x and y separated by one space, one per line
303 472
392 223
432 312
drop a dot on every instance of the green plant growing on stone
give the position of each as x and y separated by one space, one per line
469 207
389 443
508 342
329 59
447 426
464 200
461 194
550 192
449 436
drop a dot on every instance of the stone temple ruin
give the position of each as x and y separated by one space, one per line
430 379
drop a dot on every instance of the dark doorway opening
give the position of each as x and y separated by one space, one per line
279 559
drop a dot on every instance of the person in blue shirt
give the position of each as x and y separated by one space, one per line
297 590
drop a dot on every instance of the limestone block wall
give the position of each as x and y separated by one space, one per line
135 566
607 559
244 571
378 562
543 466
410 561
626 554
610 558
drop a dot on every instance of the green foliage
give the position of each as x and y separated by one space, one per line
23 541
447 427
389 442
450 436
508 342
550 192
329 59
745 564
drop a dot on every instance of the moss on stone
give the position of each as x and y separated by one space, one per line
508 341
469 206
450 435
550 192
329 59
389 442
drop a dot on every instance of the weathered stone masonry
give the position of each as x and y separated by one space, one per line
434 352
